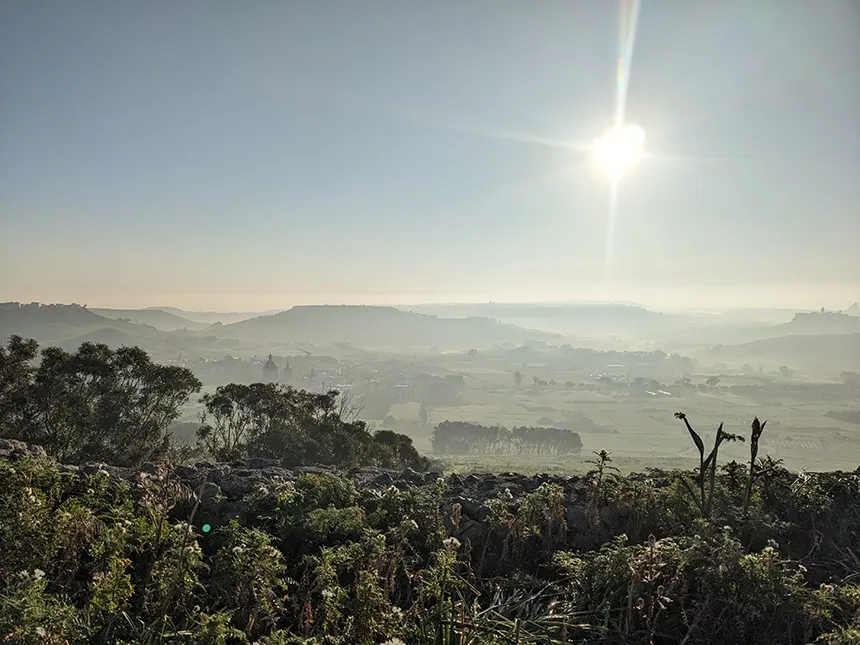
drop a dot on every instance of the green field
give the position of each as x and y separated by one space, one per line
641 432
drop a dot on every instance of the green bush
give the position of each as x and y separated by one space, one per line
90 559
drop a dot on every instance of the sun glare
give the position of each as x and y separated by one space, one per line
620 148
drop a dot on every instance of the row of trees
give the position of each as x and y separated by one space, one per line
117 406
462 438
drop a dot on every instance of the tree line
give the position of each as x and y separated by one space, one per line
117 406
463 438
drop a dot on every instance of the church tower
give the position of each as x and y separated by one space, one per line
270 371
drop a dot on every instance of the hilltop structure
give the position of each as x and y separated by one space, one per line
270 370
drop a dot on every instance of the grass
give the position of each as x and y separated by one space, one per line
647 434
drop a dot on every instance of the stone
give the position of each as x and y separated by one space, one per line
187 473
93 468
149 468
260 462
210 497
412 477
219 472
384 479
472 508
36 451
235 486
471 530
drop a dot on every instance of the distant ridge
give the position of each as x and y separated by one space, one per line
211 317
842 350
827 322
68 326
377 326
56 322
158 318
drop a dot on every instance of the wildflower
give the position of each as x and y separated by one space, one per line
41 631
327 593
38 574
451 543
773 544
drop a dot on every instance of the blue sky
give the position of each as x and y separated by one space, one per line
261 154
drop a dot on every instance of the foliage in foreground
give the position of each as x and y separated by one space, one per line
116 406
96 404
90 560
297 428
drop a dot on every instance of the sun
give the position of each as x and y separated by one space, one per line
619 149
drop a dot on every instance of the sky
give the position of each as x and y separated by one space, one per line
226 155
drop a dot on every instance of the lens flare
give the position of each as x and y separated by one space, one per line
620 148
623 145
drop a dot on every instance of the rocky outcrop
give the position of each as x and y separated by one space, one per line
12 450
220 491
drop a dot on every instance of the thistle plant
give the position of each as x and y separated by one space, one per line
757 429
707 466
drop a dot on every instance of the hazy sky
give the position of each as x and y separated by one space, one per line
251 155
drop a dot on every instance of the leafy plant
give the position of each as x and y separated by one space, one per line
706 476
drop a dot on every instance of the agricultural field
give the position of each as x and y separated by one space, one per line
641 431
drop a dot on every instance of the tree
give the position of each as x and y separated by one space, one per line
96 404
16 373
460 438
424 413
295 427
518 378
392 450
712 381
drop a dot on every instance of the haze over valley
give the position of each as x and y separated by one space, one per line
614 373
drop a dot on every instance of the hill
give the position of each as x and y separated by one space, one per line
54 323
68 326
579 318
366 326
821 322
833 351
158 318
209 317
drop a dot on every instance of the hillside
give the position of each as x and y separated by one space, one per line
68 326
736 331
836 351
158 318
566 318
377 327
829 322
55 323
209 317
